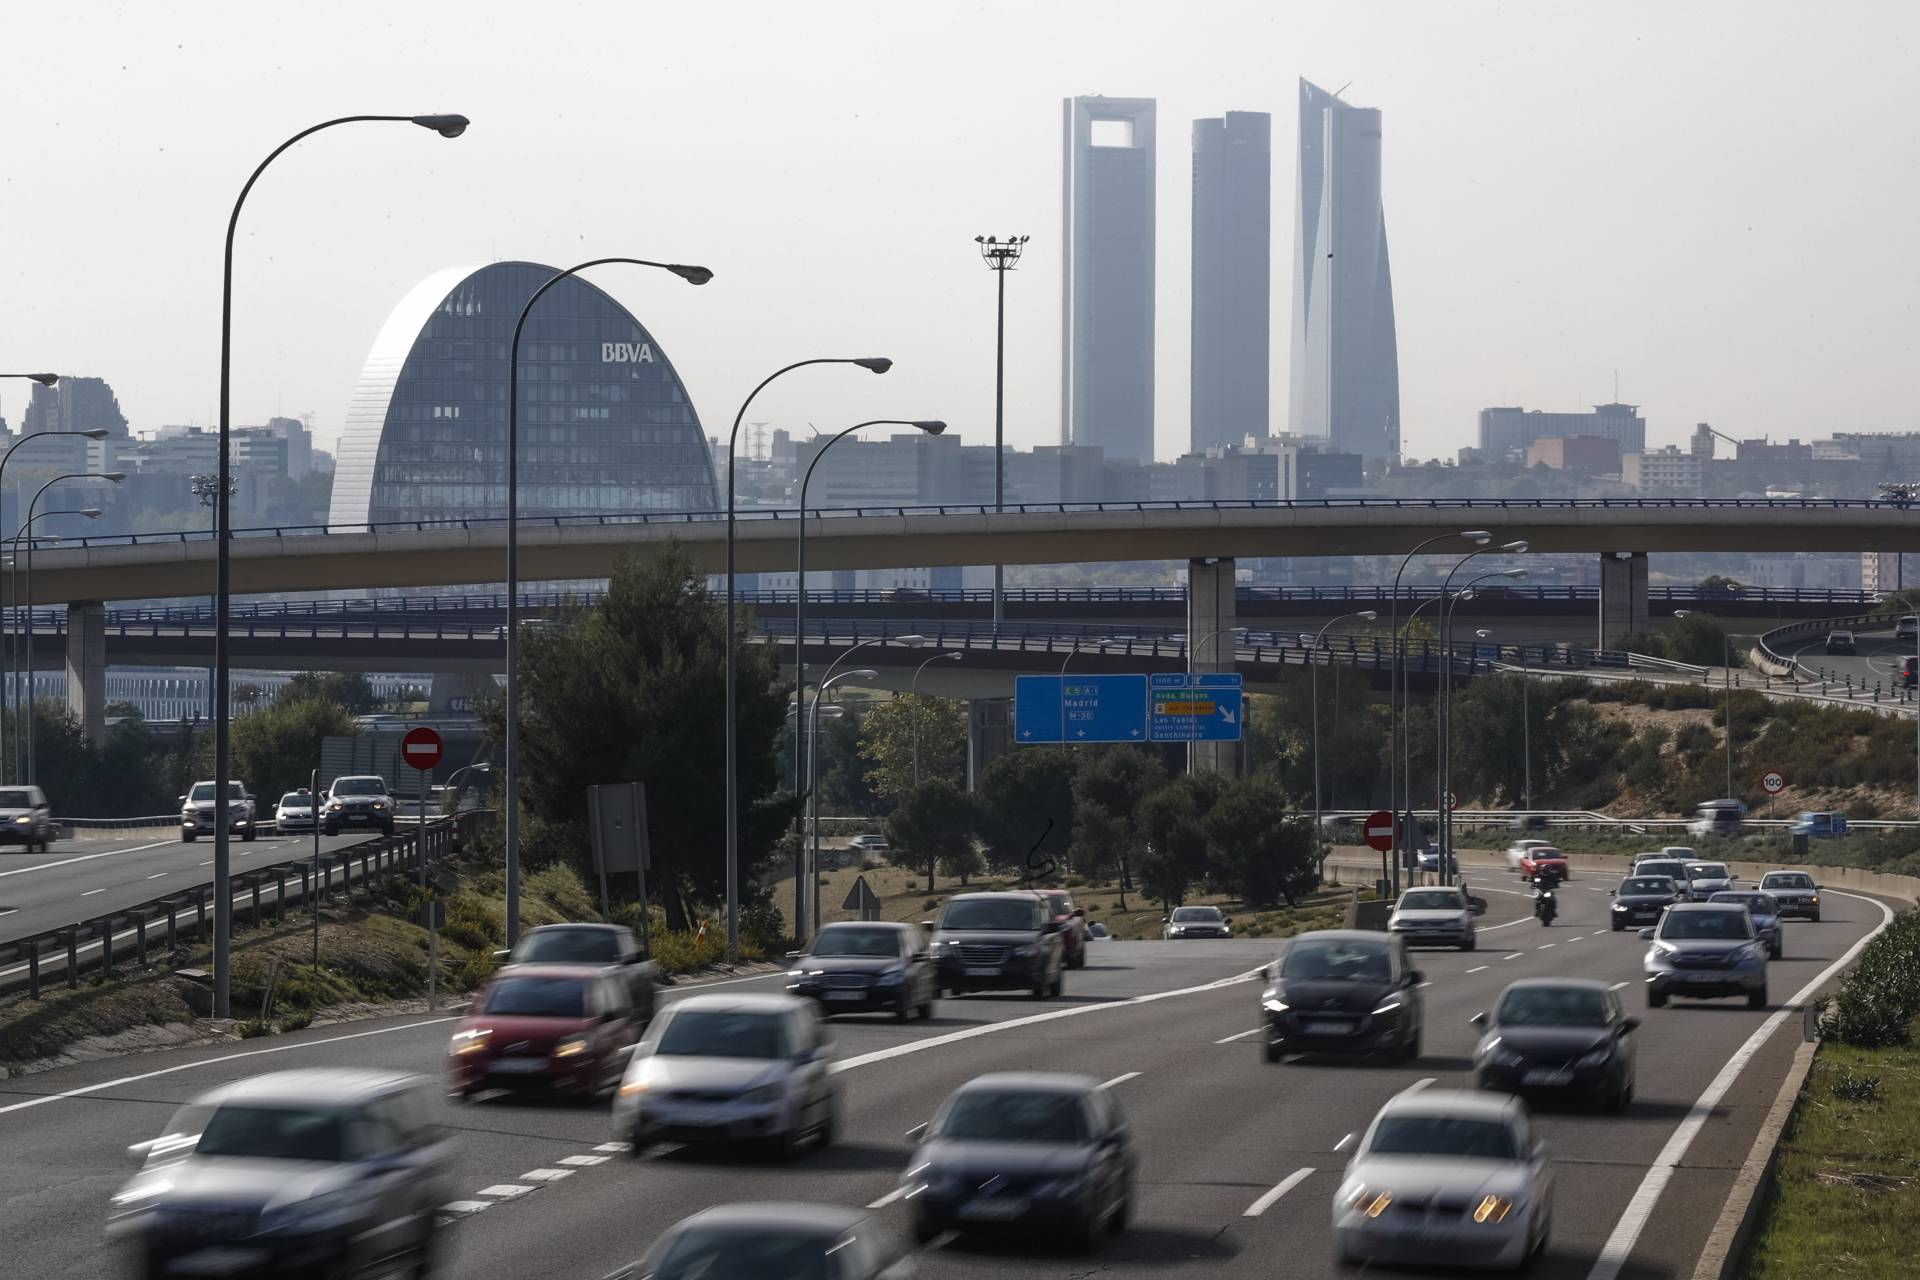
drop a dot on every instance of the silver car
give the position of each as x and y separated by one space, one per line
1704 879
1446 1175
731 1068
1795 892
295 812
25 817
1434 918
1706 949
199 812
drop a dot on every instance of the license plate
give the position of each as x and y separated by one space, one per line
222 1261
846 995
989 971
1328 1028
1544 1075
993 1208
518 1066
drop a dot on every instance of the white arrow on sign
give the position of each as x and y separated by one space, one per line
1225 714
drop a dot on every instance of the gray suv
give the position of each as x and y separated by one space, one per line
197 817
358 801
1706 949
334 1172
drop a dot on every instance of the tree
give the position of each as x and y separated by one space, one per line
889 732
933 825
1026 806
348 689
1717 583
1172 827
846 781
1261 851
277 747
1113 780
1699 638
1103 844
629 690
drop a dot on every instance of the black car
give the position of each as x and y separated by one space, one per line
1027 1151
771 1240
1565 1036
998 942
858 967
1343 991
610 946
1840 642
1641 899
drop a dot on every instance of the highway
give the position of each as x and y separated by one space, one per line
1878 659
543 1191
99 874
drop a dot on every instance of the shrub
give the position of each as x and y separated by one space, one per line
254 1028
763 930
1851 1087
470 923
471 971
299 1020
1876 1005
684 951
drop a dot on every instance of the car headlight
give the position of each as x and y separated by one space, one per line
379 804
1500 1056
1370 1201
1598 1058
24 819
316 1211
572 1047
1271 1000
1389 1006
892 978
1176 929
1024 951
1061 1188
632 1088
764 1094
466 1042
1492 1209
1664 952
334 807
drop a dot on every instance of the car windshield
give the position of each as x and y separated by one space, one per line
359 787
1705 924
16 800
758 1253
1196 915
1787 880
204 791
1755 903
1552 1007
721 1033
852 940
990 913
570 946
1339 961
1544 851
537 998
1444 1136
1432 900
1646 885
296 800
1707 871
274 1133
995 1115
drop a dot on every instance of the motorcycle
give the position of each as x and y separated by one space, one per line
1544 907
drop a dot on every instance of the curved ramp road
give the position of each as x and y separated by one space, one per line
1238 1159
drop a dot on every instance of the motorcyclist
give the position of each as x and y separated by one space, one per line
1545 907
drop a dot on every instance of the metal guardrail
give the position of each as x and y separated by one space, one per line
186 913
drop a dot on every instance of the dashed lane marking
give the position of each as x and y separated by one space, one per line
1477 968
1239 1035
1267 1198
583 1161
1120 1079
888 1198
610 1148
546 1175
1619 986
504 1190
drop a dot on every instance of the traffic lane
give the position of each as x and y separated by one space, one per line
61 889
1877 657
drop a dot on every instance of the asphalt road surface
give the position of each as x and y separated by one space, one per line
545 1191
1878 659
98 874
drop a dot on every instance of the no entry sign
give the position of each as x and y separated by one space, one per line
1379 830
421 748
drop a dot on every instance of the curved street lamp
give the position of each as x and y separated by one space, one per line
813 787
913 692
1319 639
27 752
447 126
27 644
510 748
1443 719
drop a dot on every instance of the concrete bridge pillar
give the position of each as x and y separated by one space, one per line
87 667
1623 595
1210 647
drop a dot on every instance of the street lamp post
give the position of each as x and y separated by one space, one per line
913 697
729 766
1396 678
510 748
930 427
1443 707
1001 256
27 754
1406 743
1319 638
813 788
27 643
447 126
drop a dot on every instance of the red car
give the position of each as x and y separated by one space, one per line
1073 927
1544 858
560 1027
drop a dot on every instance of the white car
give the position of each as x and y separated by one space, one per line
869 844
25 817
1520 848
1446 1175
295 812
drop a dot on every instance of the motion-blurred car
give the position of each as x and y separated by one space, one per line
1547 859
25 818
1519 848
1527 822
1343 991
1073 926
563 1028
1641 899
1908 628
731 1068
1704 879
1765 914
1819 826
198 813
1841 642
858 967
1566 1036
295 812
1705 949
1909 670
295 1173
1434 918
772 1240
873 845
1446 1175
1024 1151
1434 859
1794 892
611 946
1718 818
360 800
1195 922
998 942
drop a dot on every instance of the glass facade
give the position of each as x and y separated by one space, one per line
606 427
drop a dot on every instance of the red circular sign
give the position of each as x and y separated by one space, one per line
1379 830
1773 782
421 748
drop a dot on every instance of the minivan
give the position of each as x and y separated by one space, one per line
1718 818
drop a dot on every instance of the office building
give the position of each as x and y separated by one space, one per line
1671 468
1107 281
1232 277
1509 430
1587 455
1345 385
606 426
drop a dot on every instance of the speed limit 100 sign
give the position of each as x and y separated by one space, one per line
1773 782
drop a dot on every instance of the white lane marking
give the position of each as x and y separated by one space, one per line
1074 1011
1121 1079
1546 946
1513 955
1619 986
84 1090
1477 968
504 1190
1419 1084
7 911
85 857
611 1147
888 1198
546 1175
583 1161
156 875
1239 1035
1489 928
464 1208
1344 1143
89 893
1575 938
1286 1184
1633 1219
207 863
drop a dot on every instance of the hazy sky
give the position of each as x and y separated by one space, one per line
1717 200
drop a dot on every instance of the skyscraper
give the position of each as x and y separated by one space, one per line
1232 277
1107 229
1346 364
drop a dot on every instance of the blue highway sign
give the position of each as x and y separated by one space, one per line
1096 708
1195 707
